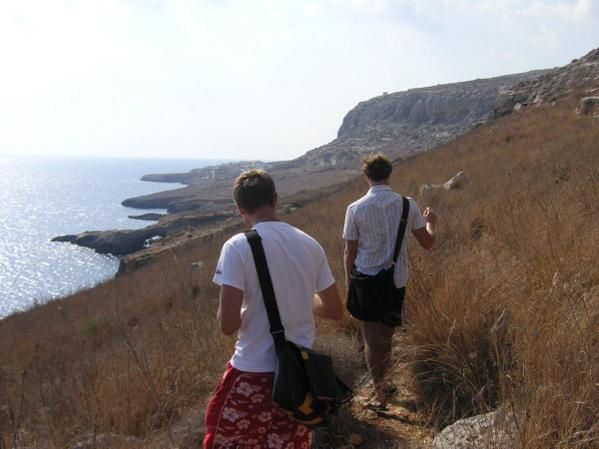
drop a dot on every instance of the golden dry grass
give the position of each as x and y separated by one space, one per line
505 310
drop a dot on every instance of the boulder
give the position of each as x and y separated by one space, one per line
495 430
588 105
426 188
454 182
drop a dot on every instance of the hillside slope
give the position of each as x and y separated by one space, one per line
504 311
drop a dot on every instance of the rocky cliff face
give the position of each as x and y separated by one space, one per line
549 86
414 120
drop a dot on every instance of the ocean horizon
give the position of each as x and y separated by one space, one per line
43 197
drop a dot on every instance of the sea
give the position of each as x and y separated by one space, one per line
43 197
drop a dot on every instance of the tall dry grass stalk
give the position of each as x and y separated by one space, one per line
503 311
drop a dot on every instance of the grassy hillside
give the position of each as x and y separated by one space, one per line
505 310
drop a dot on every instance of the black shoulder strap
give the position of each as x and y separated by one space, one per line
268 293
403 223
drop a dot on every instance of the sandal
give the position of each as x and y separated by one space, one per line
376 406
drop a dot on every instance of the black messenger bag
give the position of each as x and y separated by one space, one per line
371 297
305 384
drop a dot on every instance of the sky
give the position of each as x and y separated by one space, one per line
249 79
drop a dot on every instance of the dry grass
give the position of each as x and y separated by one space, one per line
504 311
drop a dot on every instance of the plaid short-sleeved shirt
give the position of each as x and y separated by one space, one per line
373 221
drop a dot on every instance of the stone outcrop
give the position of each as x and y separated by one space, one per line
123 242
419 119
451 184
151 216
550 86
588 105
495 430
454 182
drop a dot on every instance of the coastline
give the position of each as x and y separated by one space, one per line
399 124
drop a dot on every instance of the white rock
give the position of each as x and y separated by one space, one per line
495 430
196 266
426 188
588 104
454 182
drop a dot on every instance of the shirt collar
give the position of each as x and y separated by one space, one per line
378 188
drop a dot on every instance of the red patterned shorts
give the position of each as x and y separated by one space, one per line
241 415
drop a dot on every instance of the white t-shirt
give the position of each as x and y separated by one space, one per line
373 221
298 267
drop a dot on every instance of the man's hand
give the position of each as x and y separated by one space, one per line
426 234
430 216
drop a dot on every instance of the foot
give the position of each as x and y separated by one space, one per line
376 406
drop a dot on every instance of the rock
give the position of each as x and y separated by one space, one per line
152 240
426 188
111 242
450 184
196 266
123 242
151 216
454 182
588 105
550 85
495 430
517 107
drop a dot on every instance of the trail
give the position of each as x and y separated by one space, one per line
404 425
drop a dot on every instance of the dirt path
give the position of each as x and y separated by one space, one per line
403 426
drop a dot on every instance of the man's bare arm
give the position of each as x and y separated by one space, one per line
349 255
327 303
229 309
426 234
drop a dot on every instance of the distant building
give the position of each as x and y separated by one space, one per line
385 93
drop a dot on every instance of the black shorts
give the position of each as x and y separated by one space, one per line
375 298
394 317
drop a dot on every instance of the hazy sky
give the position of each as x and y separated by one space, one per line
249 78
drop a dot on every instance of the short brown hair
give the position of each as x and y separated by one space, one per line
254 189
377 167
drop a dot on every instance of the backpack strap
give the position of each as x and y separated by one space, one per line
268 293
403 223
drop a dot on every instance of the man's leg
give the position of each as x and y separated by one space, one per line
378 339
240 411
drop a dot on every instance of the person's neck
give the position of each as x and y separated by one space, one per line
378 183
262 216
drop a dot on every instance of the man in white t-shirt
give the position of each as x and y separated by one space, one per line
370 233
241 412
